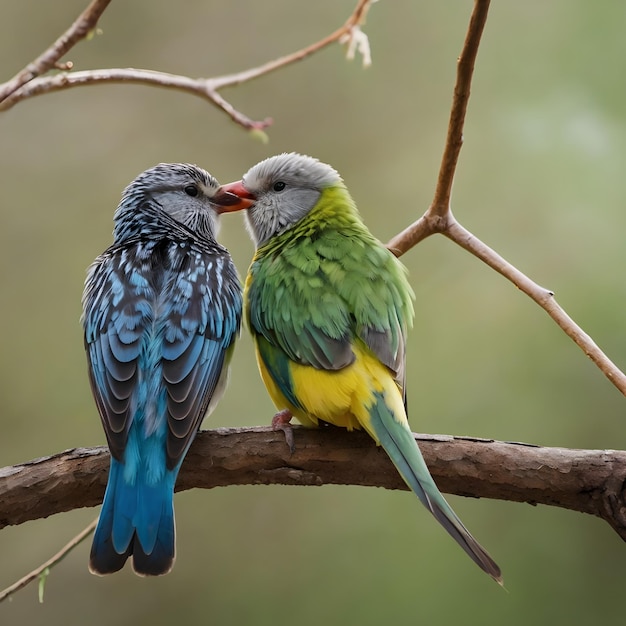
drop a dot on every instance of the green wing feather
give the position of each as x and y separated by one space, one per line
277 364
315 289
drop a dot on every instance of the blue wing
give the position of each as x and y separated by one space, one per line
116 312
200 327
177 309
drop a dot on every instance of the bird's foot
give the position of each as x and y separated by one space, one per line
282 421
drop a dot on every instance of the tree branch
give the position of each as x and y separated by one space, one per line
344 34
27 85
49 564
589 481
436 218
543 297
440 206
439 218
82 26
203 88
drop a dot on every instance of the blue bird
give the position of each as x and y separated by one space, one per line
161 312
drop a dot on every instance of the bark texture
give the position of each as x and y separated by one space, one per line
589 481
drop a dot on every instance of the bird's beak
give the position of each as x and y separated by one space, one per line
233 197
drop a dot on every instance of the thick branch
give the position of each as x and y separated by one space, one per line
589 481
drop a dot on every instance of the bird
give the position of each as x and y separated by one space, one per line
329 307
162 308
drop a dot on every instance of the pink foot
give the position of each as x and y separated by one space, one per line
281 421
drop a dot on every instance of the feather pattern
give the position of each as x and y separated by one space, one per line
329 307
162 308
326 281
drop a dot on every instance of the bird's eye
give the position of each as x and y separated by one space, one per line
279 186
191 190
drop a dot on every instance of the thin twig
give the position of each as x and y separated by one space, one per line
435 220
465 69
206 88
67 80
543 297
82 26
356 18
59 556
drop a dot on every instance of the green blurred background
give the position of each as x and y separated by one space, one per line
541 179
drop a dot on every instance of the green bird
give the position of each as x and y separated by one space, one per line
329 306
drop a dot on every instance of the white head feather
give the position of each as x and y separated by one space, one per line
286 187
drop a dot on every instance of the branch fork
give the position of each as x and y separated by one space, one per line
32 81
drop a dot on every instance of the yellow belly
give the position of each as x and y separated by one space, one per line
342 397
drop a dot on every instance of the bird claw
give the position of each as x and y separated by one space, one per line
281 421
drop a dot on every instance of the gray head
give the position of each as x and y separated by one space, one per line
280 191
186 192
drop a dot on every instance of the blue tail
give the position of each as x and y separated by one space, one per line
136 519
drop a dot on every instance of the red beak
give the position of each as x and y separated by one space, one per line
233 197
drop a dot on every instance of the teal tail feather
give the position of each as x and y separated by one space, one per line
135 520
400 445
